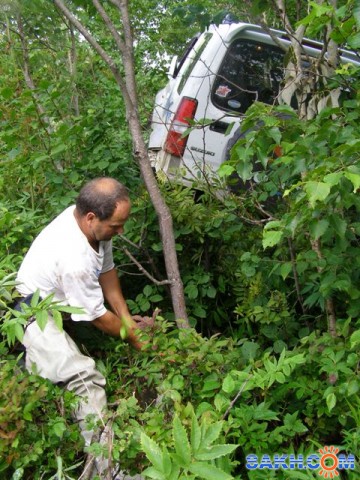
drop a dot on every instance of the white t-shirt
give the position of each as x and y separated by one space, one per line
61 261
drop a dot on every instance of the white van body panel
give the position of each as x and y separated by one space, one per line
206 145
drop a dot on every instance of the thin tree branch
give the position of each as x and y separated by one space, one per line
145 272
118 40
73 70
232 403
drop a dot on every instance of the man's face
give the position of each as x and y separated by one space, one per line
101 230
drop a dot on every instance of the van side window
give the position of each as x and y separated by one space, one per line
251 71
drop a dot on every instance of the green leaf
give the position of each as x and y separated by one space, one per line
59 428
228 385
147 290
333 178
271 238
178 382
19 331
353 387
293 423
151 472
354 179
225 170
207 471
175 472
318 228
215 451
58 149
355 339
153 452
285 269
41 318
7 93
331 401
57 319
262 412
317 191
181 442
27 412
221 402
69 309
279 346
195 437
249 350
356 13
210 385
166 460
191 291
354 41
156 298
244 170
123 332
199 311
210 433
275 134
338 224
35 299
40 158
280 377
211 292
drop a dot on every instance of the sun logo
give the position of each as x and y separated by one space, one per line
329 469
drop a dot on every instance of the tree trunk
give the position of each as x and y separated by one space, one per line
127 85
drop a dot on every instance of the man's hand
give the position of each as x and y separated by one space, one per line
145 322
128 331
116 326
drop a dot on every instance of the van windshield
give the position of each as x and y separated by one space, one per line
250 71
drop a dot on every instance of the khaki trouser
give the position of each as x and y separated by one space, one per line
54 355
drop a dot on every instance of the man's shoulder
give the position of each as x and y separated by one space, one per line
66 216
62 228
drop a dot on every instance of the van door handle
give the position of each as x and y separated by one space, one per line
219 126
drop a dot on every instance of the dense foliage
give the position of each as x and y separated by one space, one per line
271 274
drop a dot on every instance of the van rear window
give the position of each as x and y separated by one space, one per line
251 71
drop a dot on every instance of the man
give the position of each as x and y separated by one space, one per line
72 259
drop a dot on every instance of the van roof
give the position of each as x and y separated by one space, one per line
229 31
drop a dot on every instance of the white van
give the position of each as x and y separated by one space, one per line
223 71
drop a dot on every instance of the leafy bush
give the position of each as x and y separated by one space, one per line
35 432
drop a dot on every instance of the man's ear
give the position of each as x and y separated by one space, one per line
90 216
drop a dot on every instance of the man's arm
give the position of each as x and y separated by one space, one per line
110 322
110 285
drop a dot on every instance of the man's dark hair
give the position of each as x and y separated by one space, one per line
100 196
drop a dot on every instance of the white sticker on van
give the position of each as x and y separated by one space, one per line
222 91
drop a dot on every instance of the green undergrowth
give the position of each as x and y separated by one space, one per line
254 400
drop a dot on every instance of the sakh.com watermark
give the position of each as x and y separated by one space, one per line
328 462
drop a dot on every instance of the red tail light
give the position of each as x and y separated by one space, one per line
175 142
